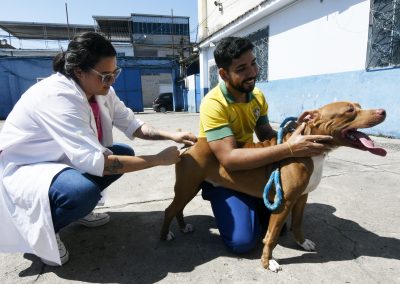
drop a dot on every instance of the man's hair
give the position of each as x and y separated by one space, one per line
229 48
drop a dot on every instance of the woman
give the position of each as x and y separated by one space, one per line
57 153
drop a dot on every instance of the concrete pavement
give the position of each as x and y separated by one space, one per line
353 217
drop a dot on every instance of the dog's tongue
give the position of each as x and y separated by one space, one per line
369 144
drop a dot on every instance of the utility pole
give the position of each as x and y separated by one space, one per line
66 12
172 33
181 59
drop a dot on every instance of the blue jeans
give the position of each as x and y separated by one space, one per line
240 218
74 195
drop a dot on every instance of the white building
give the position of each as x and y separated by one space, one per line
312 52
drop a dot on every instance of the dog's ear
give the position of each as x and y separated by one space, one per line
308 116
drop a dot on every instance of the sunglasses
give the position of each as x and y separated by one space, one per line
108 78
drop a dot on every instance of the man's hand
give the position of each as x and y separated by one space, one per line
307 145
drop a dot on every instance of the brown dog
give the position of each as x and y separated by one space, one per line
299 176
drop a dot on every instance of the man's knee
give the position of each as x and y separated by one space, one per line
242 244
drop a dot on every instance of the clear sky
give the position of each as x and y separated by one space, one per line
81 12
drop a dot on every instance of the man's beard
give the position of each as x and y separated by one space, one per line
243 87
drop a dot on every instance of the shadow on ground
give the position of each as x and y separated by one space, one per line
128 248
339 239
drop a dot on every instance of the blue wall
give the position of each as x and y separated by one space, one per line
378 89
17 74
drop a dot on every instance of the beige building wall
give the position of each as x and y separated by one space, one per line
213 16
153 85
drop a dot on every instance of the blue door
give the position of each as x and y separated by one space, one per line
197 91
6 103
129 88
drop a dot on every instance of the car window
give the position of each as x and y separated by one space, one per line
166 96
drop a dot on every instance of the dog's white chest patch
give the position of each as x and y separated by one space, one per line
316 175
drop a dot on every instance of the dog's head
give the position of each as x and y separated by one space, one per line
342 120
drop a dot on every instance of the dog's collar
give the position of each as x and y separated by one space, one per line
282 128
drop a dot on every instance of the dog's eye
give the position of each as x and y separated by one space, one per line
351 109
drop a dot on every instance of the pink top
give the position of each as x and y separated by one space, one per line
96 112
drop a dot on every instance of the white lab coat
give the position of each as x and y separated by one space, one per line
50 128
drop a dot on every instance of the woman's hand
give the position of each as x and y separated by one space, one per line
186 138
307 145
168 156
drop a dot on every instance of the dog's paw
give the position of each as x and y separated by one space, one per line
307 245
170 236
273 265
188 229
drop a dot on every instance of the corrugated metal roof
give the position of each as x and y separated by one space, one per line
30 30
116 29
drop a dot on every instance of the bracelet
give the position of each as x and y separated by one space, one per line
290 148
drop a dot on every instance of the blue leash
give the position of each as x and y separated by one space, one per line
276 175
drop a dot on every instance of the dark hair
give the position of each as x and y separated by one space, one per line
229 48
84 52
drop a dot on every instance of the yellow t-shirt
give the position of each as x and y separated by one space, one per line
221 116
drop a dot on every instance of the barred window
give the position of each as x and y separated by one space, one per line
384 35
260 41
213 75
160 28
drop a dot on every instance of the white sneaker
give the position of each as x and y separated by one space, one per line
64 255
94 220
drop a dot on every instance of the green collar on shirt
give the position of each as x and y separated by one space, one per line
228 96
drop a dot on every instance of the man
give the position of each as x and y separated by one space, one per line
231 113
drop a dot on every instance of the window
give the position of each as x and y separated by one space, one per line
167 96
260 41
213 71
168 28
136 27
384 35
160 28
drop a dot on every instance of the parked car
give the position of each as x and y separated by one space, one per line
163 103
